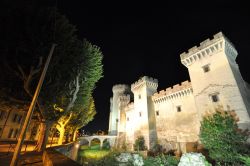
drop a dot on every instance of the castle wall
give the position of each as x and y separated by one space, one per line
172 117
172 125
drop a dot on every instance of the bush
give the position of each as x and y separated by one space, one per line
245 160
156 150
108 160
140 143
221 136
190 159
106 145
161 160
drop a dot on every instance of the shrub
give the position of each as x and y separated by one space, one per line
140 143
124 146
161 160
156 150
106 145
190 159
221 136
245 160
108 160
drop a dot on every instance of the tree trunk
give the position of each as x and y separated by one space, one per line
67 139
43 136
74 134
61 135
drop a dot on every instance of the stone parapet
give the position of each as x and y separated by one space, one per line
124 100
207 48
145 80
130 106
120 88
172 92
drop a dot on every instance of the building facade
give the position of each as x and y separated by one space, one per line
11 120
171 117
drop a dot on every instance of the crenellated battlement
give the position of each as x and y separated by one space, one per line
124 100
130 106
173 92
207 48
120 88
148 81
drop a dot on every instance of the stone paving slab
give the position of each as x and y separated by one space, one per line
28 158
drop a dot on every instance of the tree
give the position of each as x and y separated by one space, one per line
82 118
219 133
27 32
89 72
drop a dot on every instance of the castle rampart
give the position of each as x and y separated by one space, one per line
208 48
148 81
173 92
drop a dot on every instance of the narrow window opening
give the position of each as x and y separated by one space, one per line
157 113
206 68
140 114
178 108
15 117
215 98
20 118
10 133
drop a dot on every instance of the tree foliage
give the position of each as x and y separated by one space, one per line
27 32
222 137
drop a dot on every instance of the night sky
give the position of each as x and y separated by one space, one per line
147 39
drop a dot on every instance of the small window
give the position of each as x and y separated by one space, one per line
10 133
15 133
15 117
2 113
215 98
140 114
178 108
157 113
117 120
127 118
206 68
139 96
19 118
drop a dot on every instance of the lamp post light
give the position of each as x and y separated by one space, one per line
30 111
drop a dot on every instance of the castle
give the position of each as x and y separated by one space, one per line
171 117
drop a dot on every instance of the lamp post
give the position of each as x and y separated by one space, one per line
30 111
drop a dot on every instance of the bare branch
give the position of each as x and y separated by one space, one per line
24 77
18 100
12 70
77 87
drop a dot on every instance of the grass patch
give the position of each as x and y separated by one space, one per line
94 154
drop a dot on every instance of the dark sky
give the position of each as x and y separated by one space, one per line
147 39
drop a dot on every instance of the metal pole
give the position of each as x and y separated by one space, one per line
30 111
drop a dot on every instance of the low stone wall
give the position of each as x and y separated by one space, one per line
58 156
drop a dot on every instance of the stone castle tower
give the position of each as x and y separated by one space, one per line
114 117
216 79
171 117
143 89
